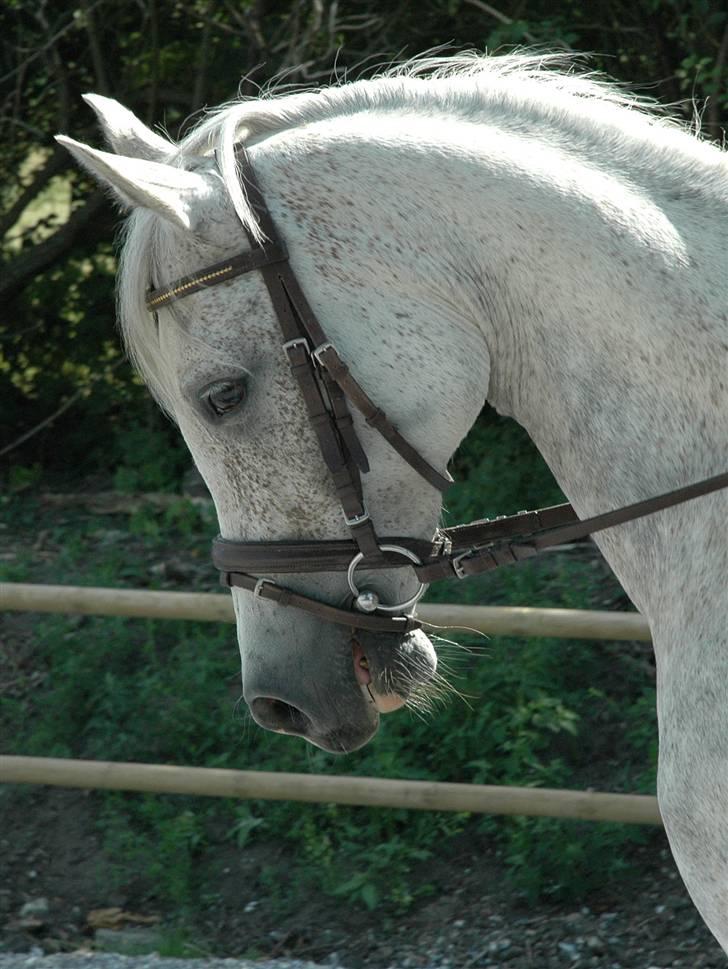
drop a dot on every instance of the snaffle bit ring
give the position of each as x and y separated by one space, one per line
367 601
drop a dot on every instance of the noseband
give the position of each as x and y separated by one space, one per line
327 388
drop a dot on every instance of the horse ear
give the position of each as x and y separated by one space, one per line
125 133
175 194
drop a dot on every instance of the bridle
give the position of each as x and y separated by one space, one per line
328 387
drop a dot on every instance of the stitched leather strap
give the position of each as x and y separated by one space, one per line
332 424
376 418
271 259
243 262
491 548
325 556
343 617
462 550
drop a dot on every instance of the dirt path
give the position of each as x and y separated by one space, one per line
52 879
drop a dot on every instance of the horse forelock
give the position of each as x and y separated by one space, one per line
140 328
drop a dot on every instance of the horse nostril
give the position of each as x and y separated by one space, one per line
274 714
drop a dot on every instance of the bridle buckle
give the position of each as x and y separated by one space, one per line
317 351
357 519
457 561
299 341
258 590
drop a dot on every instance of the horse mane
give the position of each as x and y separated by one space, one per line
548 94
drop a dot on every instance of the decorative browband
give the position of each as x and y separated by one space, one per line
244 262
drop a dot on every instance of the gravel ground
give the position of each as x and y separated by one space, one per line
49 888
97 960
471 924
655 930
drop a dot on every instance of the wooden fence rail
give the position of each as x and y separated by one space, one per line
320 788
207 607
365 791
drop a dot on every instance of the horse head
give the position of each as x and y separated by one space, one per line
214 361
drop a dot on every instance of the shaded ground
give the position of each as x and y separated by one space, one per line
50 849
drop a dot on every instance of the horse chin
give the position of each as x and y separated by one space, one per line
390 674
345 740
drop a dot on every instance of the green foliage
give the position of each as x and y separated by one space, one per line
244 825
163 843
56 330
578 857
148 460
166 692
21 477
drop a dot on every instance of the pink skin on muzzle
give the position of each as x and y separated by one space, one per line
384 702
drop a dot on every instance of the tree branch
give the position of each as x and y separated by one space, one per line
154 44
71 25
203 51
504 19
57 68
46 422
54 164
97 56
499 16
18 273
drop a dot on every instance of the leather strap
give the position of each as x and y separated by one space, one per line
462 550
266 589
311 557
271 259
218 272
491 548
332 425
327 354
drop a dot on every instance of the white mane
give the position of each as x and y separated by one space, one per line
540 95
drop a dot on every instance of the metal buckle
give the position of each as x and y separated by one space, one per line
257 591
457 567
299 341
316 353
366 594
357 519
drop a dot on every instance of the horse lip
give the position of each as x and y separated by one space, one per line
384 700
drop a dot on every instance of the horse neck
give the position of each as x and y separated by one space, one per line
597 295
605 318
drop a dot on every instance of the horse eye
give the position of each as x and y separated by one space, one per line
224 396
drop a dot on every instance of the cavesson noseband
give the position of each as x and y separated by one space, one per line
327 388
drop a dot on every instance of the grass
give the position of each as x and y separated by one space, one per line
540 712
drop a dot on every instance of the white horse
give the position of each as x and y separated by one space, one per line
492 230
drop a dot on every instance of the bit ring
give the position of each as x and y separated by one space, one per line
356 592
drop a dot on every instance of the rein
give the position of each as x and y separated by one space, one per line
327 388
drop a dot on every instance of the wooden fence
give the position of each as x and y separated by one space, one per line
322 788
368 791
208 607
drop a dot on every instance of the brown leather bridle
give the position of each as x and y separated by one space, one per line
327 388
